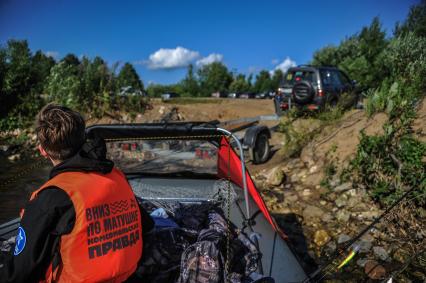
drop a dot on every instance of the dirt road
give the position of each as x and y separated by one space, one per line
205 109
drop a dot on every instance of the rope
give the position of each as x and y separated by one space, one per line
24 172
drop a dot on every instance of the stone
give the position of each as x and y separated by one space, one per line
14 157
352 202
306 192
311 211
302 174
326 217
381 253
400 255
334 182
364 246
361 262
162 110
343 238
341 201
294 164
342 216
343 187
298 188
321 238
4 147
323 202
313 169
369 215
330 248
332 197
294 178
374 270
275 177
419 275
291 198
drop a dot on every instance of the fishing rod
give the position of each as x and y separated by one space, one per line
320 273
395 273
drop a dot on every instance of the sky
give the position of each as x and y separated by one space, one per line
162 37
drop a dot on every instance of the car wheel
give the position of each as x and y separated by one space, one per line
261 150
303 92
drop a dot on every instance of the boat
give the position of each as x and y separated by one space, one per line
197 164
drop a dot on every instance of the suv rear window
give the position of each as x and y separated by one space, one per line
294 76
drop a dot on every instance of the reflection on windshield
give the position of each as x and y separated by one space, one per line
163 157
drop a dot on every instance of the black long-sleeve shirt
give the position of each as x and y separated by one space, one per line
49 216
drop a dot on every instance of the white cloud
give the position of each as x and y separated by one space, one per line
53 54
165 58
275 61
284 65
213 57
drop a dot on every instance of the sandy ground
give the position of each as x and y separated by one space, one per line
208 110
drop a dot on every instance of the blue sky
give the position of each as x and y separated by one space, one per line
162 37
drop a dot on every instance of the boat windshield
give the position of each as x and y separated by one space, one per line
164 156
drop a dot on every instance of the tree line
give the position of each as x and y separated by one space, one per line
216 77
29 80
376 61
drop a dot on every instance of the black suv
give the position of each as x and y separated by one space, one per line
312 88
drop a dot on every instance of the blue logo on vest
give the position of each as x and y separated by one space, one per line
21 239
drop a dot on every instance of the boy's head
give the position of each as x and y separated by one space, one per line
60 132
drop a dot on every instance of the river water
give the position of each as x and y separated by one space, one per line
17 181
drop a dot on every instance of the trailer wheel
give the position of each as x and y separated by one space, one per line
261 150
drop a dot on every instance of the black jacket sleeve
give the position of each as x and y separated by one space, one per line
46 218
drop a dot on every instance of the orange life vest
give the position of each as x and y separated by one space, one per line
106 241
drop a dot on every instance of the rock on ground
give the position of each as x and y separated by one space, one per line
374 270
321 238
276 177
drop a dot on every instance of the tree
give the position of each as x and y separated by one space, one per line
249 82
263 82
16 83
40 70
64 87
415 22
239 84
71 60
214 77
189 84
360 55
3 70
97 84
277 78
325 56
129 77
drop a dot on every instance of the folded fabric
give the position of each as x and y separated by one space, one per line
159 212
164 222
